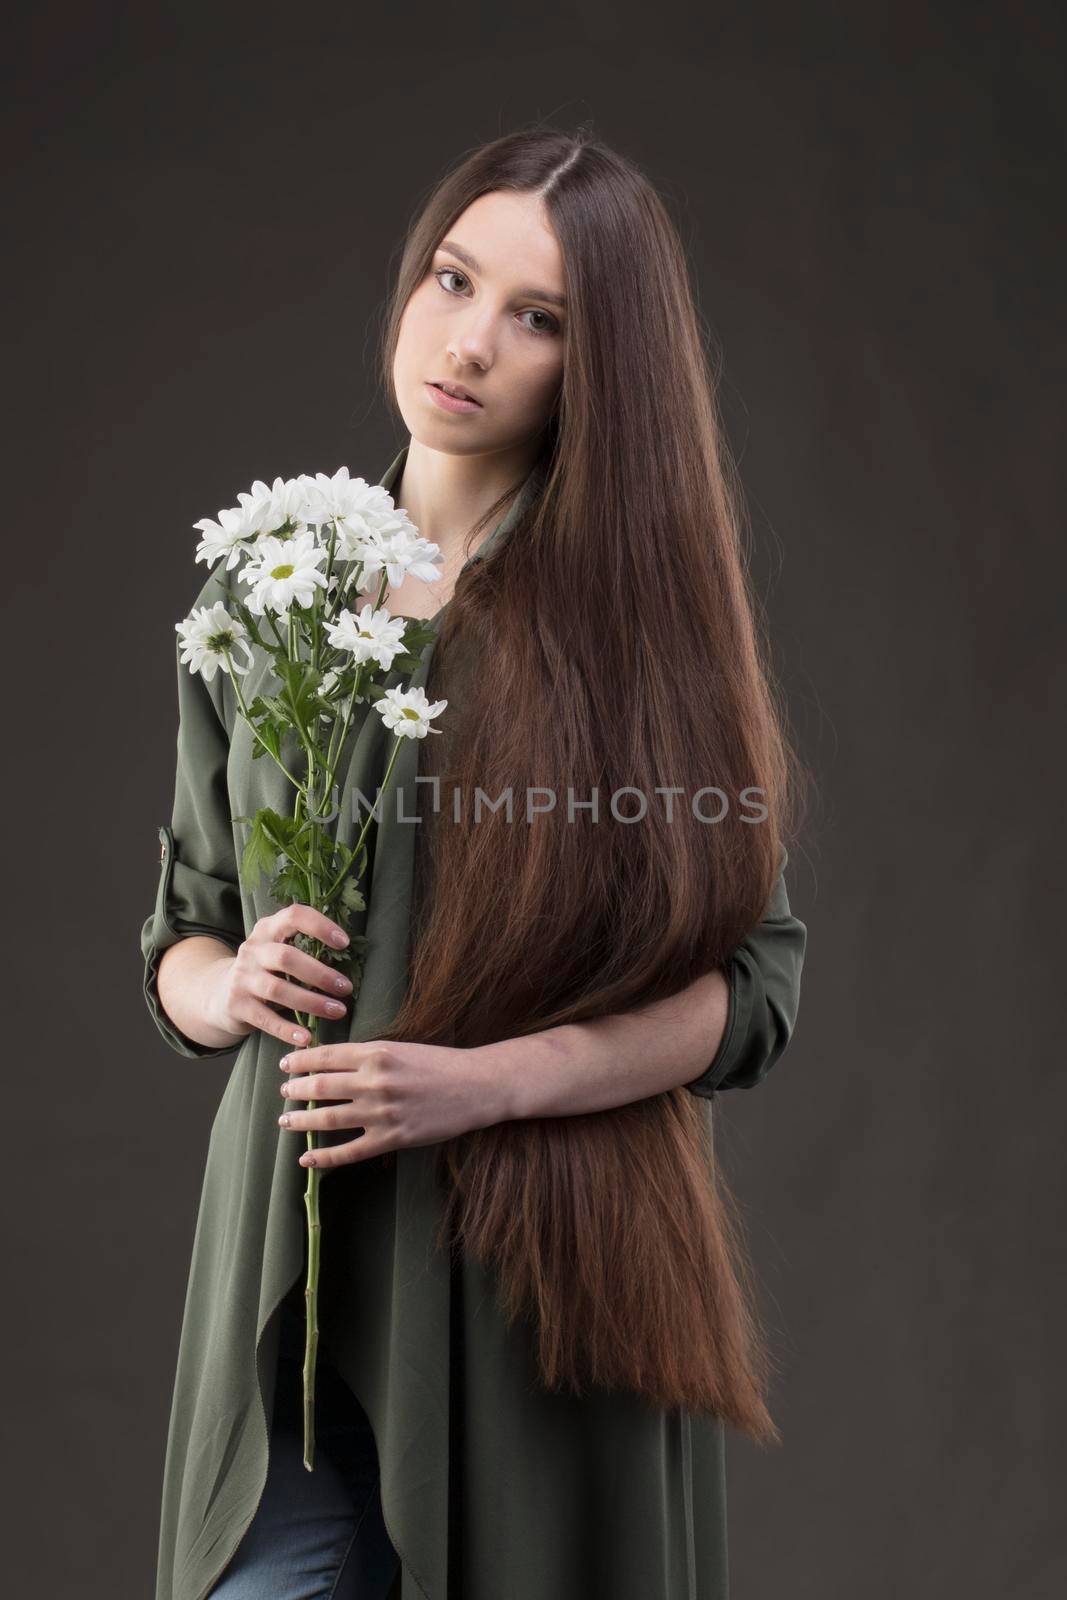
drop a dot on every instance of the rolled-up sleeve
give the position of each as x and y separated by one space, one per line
764 997
198 891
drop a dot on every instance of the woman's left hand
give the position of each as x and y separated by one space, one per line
401 1093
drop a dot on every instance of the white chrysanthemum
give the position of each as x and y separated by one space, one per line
399 549
407 712
207 634
358 508
282 571
285 500
230 536
372 636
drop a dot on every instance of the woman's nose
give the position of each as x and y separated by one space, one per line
471 343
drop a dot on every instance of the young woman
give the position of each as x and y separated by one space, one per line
534 1302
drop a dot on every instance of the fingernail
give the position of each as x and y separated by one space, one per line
285 1062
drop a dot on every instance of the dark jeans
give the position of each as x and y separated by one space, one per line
315 1535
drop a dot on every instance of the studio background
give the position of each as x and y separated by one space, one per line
204 218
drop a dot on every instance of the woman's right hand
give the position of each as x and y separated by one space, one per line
268 972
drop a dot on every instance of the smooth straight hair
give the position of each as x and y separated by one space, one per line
609 641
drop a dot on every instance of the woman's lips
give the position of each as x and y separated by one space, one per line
450 402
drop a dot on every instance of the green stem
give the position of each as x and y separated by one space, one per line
311 1288
306 802
314 1221
274 628
334 754
363 831
255 731
321 611
337 741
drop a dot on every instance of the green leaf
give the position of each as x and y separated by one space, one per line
351 896
288 885
260 853
270 732
276 707
417 634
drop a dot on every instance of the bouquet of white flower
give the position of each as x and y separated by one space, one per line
309 544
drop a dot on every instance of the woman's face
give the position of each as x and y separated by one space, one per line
486 316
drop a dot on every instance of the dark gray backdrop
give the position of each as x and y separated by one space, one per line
204 220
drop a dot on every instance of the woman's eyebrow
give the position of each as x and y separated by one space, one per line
469 261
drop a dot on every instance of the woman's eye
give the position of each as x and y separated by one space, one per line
453 272
553 326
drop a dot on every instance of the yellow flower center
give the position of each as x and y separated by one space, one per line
284 571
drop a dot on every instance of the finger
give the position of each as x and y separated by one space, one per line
346 1154
299 918
268 1021
322 1058
320 1086
280 992
323 1118
290 958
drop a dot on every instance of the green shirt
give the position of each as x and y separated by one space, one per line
490 1486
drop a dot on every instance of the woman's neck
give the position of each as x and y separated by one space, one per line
446 494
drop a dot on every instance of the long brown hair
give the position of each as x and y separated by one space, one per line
609 641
